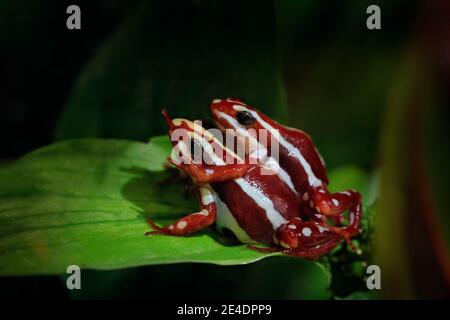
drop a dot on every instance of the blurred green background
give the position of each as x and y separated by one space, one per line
373 99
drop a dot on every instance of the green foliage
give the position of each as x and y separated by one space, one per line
85 202
348 268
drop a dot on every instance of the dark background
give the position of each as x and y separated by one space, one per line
41 59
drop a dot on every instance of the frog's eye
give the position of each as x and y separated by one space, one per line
245 118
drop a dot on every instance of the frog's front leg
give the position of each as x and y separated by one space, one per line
193 222
334 204
204 174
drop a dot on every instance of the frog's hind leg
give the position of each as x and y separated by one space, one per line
316 251
193 222
306 239
334 204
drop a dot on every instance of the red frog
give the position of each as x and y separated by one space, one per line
236 195
300 164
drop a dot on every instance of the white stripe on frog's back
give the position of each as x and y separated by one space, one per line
275 165
225 219
204 137
271 163
312 179
275 218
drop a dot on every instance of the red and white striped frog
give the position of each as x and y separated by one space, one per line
240 196
301 165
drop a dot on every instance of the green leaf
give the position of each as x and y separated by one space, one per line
179 60
85 202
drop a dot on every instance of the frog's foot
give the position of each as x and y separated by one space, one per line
315 252
306 239
184 226
333 205
189 224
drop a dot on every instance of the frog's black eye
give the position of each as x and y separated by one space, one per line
245 118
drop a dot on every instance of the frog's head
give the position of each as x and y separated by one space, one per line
232 113
251 126
192 142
